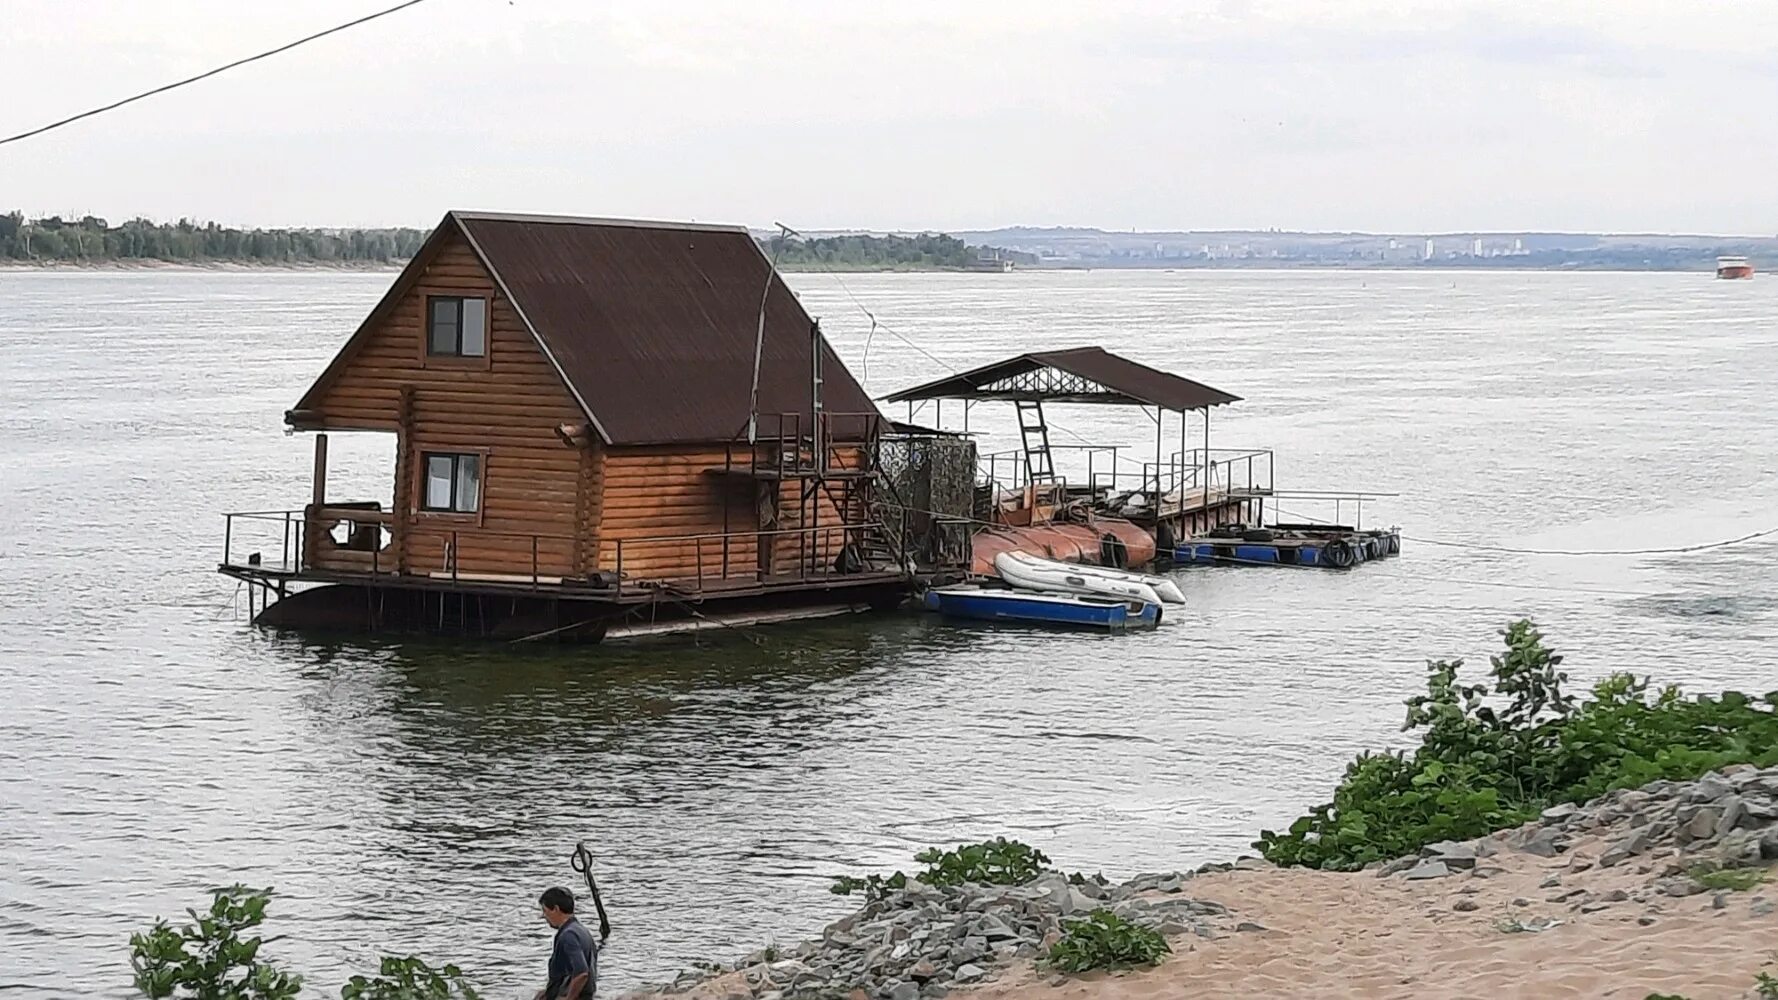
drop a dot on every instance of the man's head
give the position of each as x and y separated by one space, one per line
558 906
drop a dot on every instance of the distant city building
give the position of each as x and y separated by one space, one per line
989 260
1430 250
1475 247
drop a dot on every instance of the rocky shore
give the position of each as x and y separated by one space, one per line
1654 890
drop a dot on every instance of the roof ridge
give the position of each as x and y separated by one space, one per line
589 220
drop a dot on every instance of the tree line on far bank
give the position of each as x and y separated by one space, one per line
93 240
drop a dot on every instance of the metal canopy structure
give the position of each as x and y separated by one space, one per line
1090 375
1076 375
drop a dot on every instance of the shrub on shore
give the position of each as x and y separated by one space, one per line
994 862
1480 768
1105 940
210 959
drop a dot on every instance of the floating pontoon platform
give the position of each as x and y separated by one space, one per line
1328 546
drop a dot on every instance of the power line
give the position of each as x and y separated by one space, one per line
1512 550
1374 573
1480 547
207 74
878 324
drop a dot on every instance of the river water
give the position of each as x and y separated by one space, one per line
416 796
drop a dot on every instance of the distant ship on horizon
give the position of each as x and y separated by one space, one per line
1734 267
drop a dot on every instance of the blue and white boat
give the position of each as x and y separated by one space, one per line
1069 610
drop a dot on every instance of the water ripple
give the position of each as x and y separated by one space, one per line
416 796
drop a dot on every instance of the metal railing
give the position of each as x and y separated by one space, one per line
816 556
1229 470
1322 502
784 446
305 540
300 539
1007 468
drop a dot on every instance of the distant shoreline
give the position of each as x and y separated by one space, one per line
210 265
377 267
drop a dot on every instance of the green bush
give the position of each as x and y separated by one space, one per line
994 862
873 886
208 959
1480 769
409 979
1730 879
1105 940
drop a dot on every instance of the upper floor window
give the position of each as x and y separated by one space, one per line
456 327
453 482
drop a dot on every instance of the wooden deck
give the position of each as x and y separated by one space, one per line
279 577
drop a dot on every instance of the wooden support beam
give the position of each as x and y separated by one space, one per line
320 497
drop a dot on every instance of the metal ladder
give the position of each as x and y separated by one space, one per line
1040 466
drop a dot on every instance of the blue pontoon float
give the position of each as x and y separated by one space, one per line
1067 610
1329 546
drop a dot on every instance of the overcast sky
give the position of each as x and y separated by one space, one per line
1401 116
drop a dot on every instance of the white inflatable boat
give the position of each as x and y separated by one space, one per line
1066 578
1164 587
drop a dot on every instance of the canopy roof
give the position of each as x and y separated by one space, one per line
1076 375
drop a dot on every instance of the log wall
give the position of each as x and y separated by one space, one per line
506 406
574 504
650 492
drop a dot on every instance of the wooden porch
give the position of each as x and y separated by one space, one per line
362 544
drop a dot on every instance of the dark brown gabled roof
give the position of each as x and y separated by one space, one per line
652 325
1076 375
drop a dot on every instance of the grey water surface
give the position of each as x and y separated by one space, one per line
415 796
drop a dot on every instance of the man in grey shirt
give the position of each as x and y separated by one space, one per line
574 961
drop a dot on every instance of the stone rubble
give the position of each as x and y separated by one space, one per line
925 942
1669 829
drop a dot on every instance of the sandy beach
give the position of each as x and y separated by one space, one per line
1354 935
1665 890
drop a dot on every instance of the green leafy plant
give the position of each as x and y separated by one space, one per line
1731 879
994 862
1765 986
1493 756
1105 940
874 887
1666 996
210 958
409 979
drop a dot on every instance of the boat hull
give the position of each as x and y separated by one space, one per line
1040 609
1743 271
1058 578
1165 589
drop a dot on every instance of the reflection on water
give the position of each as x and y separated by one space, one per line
417 795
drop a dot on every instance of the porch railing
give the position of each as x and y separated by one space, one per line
304 540
719 558
1007 468
1224 472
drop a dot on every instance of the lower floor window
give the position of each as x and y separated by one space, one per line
453 482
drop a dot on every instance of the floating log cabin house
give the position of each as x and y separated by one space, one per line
583 446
